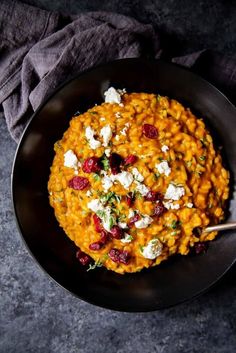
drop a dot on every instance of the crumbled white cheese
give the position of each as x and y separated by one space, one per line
104 213
107 152
70 160
76 172
112 96
102 118
89 134
170 205
124 130
153 249
106 133
122 91
125 178
107 182
164 148
127 238
122 225
117 137
143 222
131 213
88 193
189 205
118 115
95 205
174 192
142 189
137 176
163 168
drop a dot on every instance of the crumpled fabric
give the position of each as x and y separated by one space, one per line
40 49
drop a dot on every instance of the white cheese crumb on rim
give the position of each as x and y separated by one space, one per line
170 205
112 96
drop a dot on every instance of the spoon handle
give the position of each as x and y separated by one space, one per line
219 227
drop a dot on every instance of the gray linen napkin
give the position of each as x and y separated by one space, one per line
40 49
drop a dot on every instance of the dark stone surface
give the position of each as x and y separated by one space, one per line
38 316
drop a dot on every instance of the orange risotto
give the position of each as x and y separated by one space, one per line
134 180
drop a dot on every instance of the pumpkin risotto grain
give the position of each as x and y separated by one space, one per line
133 177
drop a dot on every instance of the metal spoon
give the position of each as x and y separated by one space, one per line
219 227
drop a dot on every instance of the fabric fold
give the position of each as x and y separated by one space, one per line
41 49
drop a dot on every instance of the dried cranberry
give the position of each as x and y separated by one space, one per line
97 223
114 255
134 219
96 246
159 209
117 255
131 159
129 199
153 196
92 165
124 257
78 183
150 131
115 160
200 247
83 258
104 237
116 232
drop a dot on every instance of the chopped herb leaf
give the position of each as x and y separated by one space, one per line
105 162
210 205
188 163
141 247
202 158
204 141
160 159
156 176
95 265
110 197
111 222
158 97
96 177
92 112
175 224
101 213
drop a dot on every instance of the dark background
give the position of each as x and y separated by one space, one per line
38 316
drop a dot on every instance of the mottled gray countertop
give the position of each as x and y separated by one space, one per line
36 315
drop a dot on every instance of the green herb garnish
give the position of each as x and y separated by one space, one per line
202 158
204 141
110 197
96 177
105 162
175 224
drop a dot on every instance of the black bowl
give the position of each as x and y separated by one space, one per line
175 280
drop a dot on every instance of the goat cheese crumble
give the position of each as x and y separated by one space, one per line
137 176
164 148
142 189
174 192
163 168
153 249
70 160
106 133
112 96
143 222
89 134
170 205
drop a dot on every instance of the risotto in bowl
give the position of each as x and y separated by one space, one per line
136 180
